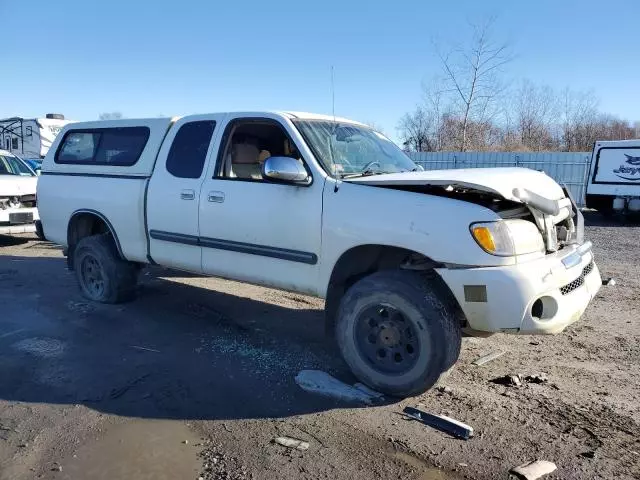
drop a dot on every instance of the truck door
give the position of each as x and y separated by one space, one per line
254 229
174 192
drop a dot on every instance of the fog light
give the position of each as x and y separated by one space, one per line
544 308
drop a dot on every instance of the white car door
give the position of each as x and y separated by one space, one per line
256 230
174 192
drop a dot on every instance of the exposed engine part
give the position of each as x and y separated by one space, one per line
25 201
563 233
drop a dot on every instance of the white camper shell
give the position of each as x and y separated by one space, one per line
614 177
30 137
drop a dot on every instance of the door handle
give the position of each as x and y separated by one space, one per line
216 197
187 195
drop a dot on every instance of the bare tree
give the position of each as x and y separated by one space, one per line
414 129
110 116
535 109
473 77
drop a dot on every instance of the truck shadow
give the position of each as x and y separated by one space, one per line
180 351
12 241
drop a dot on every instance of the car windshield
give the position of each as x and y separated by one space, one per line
10 165
347 150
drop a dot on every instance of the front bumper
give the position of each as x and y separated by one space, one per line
10 225
542 296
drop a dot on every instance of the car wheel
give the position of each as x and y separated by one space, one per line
102 275
398 331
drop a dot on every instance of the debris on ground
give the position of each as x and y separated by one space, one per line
317 381
14 332
292 443
537 378
447 390
441 422
79 307
372 393
146 349
487 358
611 282
508 380
534 470
517 380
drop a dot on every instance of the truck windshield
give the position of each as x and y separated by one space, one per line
347 150
10 165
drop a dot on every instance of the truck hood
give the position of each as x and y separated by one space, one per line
17 185
521 185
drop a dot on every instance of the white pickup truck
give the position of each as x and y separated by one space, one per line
407 260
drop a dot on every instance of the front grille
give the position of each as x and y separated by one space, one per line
578 282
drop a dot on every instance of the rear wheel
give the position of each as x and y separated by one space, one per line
102 275
398 332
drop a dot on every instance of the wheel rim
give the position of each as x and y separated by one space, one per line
387 339
92 276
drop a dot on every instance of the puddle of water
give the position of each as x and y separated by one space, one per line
140 449
426 471
40 347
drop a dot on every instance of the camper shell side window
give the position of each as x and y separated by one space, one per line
118 146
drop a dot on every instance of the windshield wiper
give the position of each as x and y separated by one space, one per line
366 173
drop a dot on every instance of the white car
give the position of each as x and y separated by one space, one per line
407 260
18 212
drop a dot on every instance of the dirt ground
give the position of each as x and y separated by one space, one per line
196 378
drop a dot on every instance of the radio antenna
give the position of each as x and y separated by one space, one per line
333 95
333 129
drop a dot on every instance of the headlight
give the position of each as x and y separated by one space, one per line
508 237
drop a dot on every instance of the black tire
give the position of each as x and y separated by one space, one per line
40 231
102 275
426 340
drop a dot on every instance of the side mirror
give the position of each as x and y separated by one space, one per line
285 169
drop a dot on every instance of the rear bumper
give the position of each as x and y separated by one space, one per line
543 296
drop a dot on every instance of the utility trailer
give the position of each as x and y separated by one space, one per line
30 137
614 177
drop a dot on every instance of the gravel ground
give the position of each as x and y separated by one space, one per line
196 378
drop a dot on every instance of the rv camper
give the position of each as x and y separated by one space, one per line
30 137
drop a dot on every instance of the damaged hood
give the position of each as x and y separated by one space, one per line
521 185
17 185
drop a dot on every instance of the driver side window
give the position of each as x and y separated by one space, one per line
248 143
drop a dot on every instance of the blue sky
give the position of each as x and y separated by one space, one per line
145 58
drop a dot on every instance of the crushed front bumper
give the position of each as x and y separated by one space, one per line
542 296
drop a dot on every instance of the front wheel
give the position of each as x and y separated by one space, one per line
398 331
102 275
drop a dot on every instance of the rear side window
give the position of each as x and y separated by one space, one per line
188 151
103 146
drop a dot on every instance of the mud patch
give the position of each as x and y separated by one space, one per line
144 450
40 347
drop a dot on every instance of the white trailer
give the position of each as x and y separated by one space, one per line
614 178
30 137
